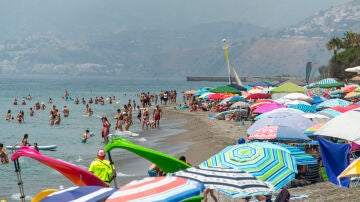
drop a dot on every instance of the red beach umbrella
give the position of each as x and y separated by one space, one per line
256 96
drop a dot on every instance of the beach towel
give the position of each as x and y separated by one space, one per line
335 158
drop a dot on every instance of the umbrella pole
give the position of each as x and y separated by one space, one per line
112 163
20 182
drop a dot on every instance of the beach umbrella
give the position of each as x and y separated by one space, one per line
227 89
311 130
353 170
259 103
279 133
312 92
233 182
296 102
316 117
357 89
165 188
290 110
256 89
202 91
353 69
298 96
304 108
319 99
231 99
345 109
349 88
256 96
301 157
218 96
239 104
205 95
294 120
263 160
328 83
268 107
333 103
84 193
331 113
345 126
352 95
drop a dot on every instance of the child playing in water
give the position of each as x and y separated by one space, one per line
85 136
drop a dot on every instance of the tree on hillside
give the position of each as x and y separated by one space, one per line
351 40
334 44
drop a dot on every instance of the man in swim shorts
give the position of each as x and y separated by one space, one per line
157 113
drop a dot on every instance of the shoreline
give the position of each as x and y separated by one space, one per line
205 137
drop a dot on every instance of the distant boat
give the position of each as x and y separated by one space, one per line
230 67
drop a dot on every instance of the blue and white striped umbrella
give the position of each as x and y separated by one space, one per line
333 103
326 81
263 160
83 193
301 157
303 107
233 182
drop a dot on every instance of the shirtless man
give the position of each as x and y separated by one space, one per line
31 112
3 155
66 111
157 113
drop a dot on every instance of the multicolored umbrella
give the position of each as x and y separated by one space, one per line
331 113
333 103
205 95
345 109
233 182
352 95
266 161
301 157
257 96
166 188
84 193
239 104
279 133
268 107
328 83
259 103
293 120
304 108
349 88
280 110
232 99
218 96
311 130
312 92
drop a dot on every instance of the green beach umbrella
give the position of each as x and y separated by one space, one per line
228 89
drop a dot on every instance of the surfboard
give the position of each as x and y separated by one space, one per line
41 147
125 133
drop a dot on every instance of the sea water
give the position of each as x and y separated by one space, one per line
67 135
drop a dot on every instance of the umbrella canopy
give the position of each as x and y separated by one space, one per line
239 104
349 88
333 103
268 107
205 95
290 110
319 99
218 96
328 83
293 120
353 170
312 92
233 182
279 133
166 188
259 103
331 113
345 109
84 193
202 91
227 89
345 126
296 102
263 160
353 69
311 130
352 95
301 157
256 96
232 99
298 96
304 108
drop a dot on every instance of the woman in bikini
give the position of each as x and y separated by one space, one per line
145 119
105 130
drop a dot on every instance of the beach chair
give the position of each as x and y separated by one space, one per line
312 173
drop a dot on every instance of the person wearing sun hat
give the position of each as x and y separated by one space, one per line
102 167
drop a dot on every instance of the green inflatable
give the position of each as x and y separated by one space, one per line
167 163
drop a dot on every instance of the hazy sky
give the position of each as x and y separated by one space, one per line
23 17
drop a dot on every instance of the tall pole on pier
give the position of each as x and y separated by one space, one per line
227 59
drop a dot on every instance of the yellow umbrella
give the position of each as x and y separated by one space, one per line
352 170
352 95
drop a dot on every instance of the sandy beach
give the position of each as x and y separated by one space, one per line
209 136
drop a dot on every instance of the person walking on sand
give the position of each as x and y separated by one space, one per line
3 155
157 113
211 192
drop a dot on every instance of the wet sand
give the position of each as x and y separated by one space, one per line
206 137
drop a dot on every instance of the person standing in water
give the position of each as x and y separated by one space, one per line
85 136
66 111
157 113
105 130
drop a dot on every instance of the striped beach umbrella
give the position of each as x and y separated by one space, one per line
279 133
311 130
84 193
333 103
301 157
352 95
263 160
328 83
331 113
239 104
165 188
233 182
